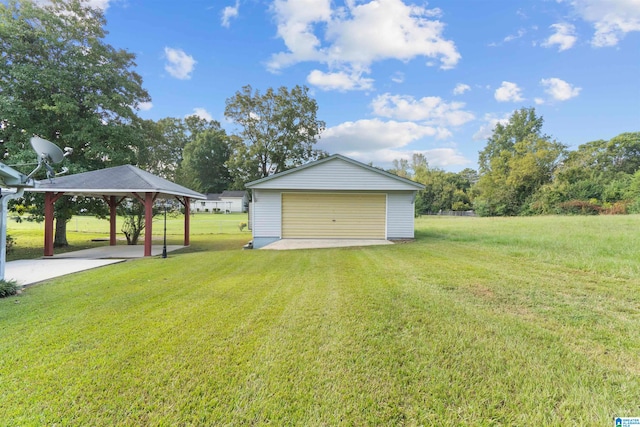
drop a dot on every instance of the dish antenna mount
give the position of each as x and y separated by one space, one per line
48 155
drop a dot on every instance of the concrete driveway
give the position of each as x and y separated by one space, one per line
30 271
285 244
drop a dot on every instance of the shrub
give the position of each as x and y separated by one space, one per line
634 207
11 241
8 288
482 207
618 208
579 207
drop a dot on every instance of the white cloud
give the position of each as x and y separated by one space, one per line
431 109
381 142
352 37
564 36
521 32
228 13
398 77
560 90
179 65
202 113
103 5
98 4
461 88
375 134
145 106
339 81
508 92
612 19
538 101
437 157
486 130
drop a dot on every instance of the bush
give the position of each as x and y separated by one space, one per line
8 288
634 207
482 207
579 207
617 208
11 241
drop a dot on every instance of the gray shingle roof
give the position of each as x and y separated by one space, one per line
233 193
118 180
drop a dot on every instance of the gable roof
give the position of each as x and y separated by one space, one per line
118 180
233 193
336 172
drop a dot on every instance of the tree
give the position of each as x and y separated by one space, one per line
521 124
164 141
400 168
443 190
134 222
203 167
517 161
598 172
61 81
279 131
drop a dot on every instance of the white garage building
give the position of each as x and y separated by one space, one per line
332 198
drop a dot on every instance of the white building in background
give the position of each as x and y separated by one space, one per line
225 202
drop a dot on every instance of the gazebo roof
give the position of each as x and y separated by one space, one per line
116 181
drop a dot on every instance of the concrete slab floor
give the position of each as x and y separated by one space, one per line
30 271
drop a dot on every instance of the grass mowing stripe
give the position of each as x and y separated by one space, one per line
496 322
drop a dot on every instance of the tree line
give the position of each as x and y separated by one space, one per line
523 171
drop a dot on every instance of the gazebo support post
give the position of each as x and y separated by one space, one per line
187 219
148 221
49 202
184 201
113 203
112 220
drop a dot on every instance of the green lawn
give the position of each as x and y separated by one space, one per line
86 232
480 321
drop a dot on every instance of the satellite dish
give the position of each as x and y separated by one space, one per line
48 151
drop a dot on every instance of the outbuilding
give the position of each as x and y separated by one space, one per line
333 198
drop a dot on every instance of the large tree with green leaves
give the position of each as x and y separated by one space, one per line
517 160
203 166
278 131
164 142
61 81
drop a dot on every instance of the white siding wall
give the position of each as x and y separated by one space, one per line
335 174
266 213
400 215
234 204
231 204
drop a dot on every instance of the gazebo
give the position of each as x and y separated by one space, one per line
114 185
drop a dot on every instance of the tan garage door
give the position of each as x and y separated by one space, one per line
330 215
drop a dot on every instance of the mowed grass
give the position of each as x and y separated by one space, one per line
85 232
513 321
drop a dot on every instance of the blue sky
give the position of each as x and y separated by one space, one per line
394 77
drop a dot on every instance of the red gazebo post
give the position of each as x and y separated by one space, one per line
50 199
113 203
187 218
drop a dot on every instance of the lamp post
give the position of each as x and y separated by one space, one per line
164 246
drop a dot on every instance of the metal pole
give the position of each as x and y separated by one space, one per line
3 226
164 247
